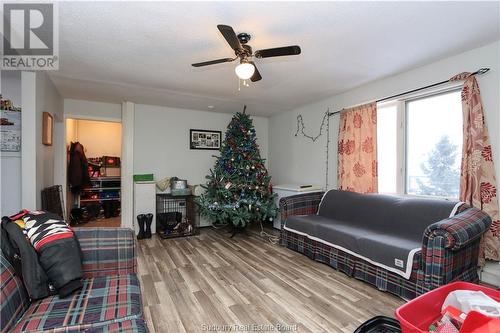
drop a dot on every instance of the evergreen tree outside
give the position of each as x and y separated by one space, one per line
238 189
443 177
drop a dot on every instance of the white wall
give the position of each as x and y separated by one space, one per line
10 163
297 160
47 100
80 109
161 141
34 167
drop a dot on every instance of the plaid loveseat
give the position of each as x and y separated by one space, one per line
110 300
449 250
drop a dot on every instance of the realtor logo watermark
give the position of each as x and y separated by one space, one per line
30 36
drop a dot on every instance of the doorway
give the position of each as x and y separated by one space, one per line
94 151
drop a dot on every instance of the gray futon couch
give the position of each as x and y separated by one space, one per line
403 245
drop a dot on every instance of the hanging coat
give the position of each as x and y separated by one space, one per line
78 174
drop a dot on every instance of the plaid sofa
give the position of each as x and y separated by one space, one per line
109 302
449 250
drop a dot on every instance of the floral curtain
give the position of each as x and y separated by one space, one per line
357 149
477 179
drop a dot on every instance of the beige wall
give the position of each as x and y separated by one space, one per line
70 131
100 138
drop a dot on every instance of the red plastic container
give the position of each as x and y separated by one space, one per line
416 315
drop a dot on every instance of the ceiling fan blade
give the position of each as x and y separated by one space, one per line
256 75
212 62
278 51
230 36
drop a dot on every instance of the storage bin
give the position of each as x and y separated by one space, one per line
143 177
379 324
416 315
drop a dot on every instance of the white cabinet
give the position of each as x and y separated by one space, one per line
145 202
287 190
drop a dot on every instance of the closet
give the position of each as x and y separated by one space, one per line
94 172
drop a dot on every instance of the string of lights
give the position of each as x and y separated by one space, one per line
301 127
325 122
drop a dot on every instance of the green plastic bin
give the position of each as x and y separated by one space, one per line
144 177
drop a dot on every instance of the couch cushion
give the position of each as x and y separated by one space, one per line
126 326
341 234
13 296
306 224
395 253
101 300
385 250
404 217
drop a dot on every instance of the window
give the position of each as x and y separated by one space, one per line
420 145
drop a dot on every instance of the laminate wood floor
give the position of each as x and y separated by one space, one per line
201 283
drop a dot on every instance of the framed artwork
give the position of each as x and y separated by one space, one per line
204 139
47 129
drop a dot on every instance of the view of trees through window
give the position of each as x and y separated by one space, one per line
441 177
428 163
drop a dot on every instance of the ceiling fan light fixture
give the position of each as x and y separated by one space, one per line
244 70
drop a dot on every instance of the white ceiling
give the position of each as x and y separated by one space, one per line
115 51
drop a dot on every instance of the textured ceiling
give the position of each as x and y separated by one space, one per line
115 51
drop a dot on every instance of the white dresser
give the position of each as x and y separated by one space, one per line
287 190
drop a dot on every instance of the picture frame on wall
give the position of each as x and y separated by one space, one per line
204 139
47 129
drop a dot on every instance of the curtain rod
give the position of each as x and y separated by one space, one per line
478 72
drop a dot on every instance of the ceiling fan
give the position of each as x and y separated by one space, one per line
247 69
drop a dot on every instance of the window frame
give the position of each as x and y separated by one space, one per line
401 105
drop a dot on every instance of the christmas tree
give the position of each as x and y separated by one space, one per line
238 188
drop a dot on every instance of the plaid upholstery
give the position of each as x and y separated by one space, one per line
459 230
449 252
300 204
126 326
107 251
451 248
13 296
354 266
102 300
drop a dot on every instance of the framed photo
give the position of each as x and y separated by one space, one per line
204 139
47 129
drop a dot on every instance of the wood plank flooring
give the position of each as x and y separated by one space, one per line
202 283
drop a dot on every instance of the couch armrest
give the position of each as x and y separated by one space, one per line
300 204
459 230
107 251
450 248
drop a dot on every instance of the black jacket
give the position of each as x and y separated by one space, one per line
78 173
56 266
23 257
